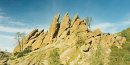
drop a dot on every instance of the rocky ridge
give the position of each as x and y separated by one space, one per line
76 43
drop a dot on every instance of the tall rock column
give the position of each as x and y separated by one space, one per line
64 25
53 30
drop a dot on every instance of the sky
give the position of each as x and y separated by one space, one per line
111 16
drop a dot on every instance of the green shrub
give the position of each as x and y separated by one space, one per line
24 52
97 57
116 56
12 58
54 57
79 43
121 56
28 49
126 33
4 54
80 40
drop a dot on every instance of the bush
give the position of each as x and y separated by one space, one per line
4 54
80 40
54 57
121 56
126 33
97 57
24 52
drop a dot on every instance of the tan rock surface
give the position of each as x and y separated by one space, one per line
65 24
76 43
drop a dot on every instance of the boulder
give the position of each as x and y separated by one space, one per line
97 32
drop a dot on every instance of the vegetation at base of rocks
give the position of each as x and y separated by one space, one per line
80 40
121 56
55 57
126 33
4 57
97 57
24 52
75 55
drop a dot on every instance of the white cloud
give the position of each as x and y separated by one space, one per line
10 21
17 23
3 17
110 27
14 29
7 42
6 36
10 25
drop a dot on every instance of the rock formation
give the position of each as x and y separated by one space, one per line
75 42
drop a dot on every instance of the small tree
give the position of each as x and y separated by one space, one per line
89 21
19 37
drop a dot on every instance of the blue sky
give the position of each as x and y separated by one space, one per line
24 15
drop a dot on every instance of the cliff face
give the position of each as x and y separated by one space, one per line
71 41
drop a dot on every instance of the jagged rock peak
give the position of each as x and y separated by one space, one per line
54 27
83 22
31 34
41 32
65 21
56 17
75 18
72 43
67 13
35 30
65 24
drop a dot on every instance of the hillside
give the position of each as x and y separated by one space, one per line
121 56
69 42
4 57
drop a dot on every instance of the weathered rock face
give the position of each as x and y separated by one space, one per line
27 41
64 25
76 44
53 31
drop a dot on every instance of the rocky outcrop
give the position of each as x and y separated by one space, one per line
4 57
64 25
75 42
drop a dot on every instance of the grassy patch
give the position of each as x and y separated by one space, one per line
54 57
121 56
24 52
97 57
